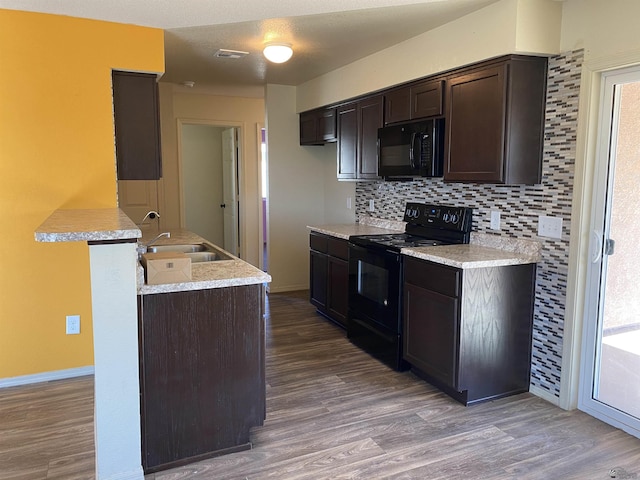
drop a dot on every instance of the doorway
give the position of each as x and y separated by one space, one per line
610 364
209 183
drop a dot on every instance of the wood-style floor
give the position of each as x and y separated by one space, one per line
335 413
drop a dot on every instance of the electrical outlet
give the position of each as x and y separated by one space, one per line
349 203
73 324
549 226
495 220
371 206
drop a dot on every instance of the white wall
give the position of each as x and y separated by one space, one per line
507 26
602 28
296 191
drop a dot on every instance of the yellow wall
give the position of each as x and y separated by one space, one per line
56 151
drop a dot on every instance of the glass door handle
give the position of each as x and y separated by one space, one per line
596 246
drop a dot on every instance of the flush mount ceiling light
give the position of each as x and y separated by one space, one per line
278 52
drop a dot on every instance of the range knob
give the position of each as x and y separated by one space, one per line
454 218
446 217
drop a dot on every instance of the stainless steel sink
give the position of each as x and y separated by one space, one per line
198 252
197 247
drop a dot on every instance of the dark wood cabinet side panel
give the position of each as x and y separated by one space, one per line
431 333
328 125
497 315
526 112
137 126
202 364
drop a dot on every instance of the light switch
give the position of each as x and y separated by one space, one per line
549 226
495 220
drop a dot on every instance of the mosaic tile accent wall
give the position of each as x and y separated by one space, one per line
520 207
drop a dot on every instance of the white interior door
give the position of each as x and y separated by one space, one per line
230 190
610 367
138 197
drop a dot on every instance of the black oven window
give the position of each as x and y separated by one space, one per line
373 282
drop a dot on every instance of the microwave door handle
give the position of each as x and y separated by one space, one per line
411 150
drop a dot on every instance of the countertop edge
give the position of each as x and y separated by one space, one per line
77 225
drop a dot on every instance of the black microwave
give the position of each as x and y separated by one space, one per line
411 149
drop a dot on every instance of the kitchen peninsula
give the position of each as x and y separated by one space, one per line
116 293
202 359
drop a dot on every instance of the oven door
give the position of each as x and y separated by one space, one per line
374 287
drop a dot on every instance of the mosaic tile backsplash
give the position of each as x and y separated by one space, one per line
519 206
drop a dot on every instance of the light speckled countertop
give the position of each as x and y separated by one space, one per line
483 251
219 274
98 224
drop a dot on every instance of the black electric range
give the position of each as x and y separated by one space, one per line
375 275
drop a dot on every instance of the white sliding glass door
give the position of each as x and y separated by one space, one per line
610 380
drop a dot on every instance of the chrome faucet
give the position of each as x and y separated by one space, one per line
142 247
158 237
152 214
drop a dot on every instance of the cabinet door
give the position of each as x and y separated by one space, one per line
426 99
318 279
137 126
338 289
370 113
431 333
397 105
347 141
476 126
309 128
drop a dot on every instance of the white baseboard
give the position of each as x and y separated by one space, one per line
46 376
545 395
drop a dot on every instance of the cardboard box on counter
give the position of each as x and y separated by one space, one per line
166 267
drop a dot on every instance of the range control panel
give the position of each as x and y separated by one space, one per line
438 216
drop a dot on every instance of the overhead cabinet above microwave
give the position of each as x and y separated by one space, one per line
414 102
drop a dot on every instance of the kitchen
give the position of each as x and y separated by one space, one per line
287 159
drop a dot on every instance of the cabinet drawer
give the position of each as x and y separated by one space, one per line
432 276
318 242
338 248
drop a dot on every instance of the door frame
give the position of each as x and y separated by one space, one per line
180 122
585 164
603 182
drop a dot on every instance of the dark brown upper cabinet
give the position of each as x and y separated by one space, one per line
413 102
137 126
318 127
495 121
358 124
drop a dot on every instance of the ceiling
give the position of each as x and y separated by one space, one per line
325 34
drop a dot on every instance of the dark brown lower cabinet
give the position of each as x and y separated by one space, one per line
202 373
329 276
469 331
